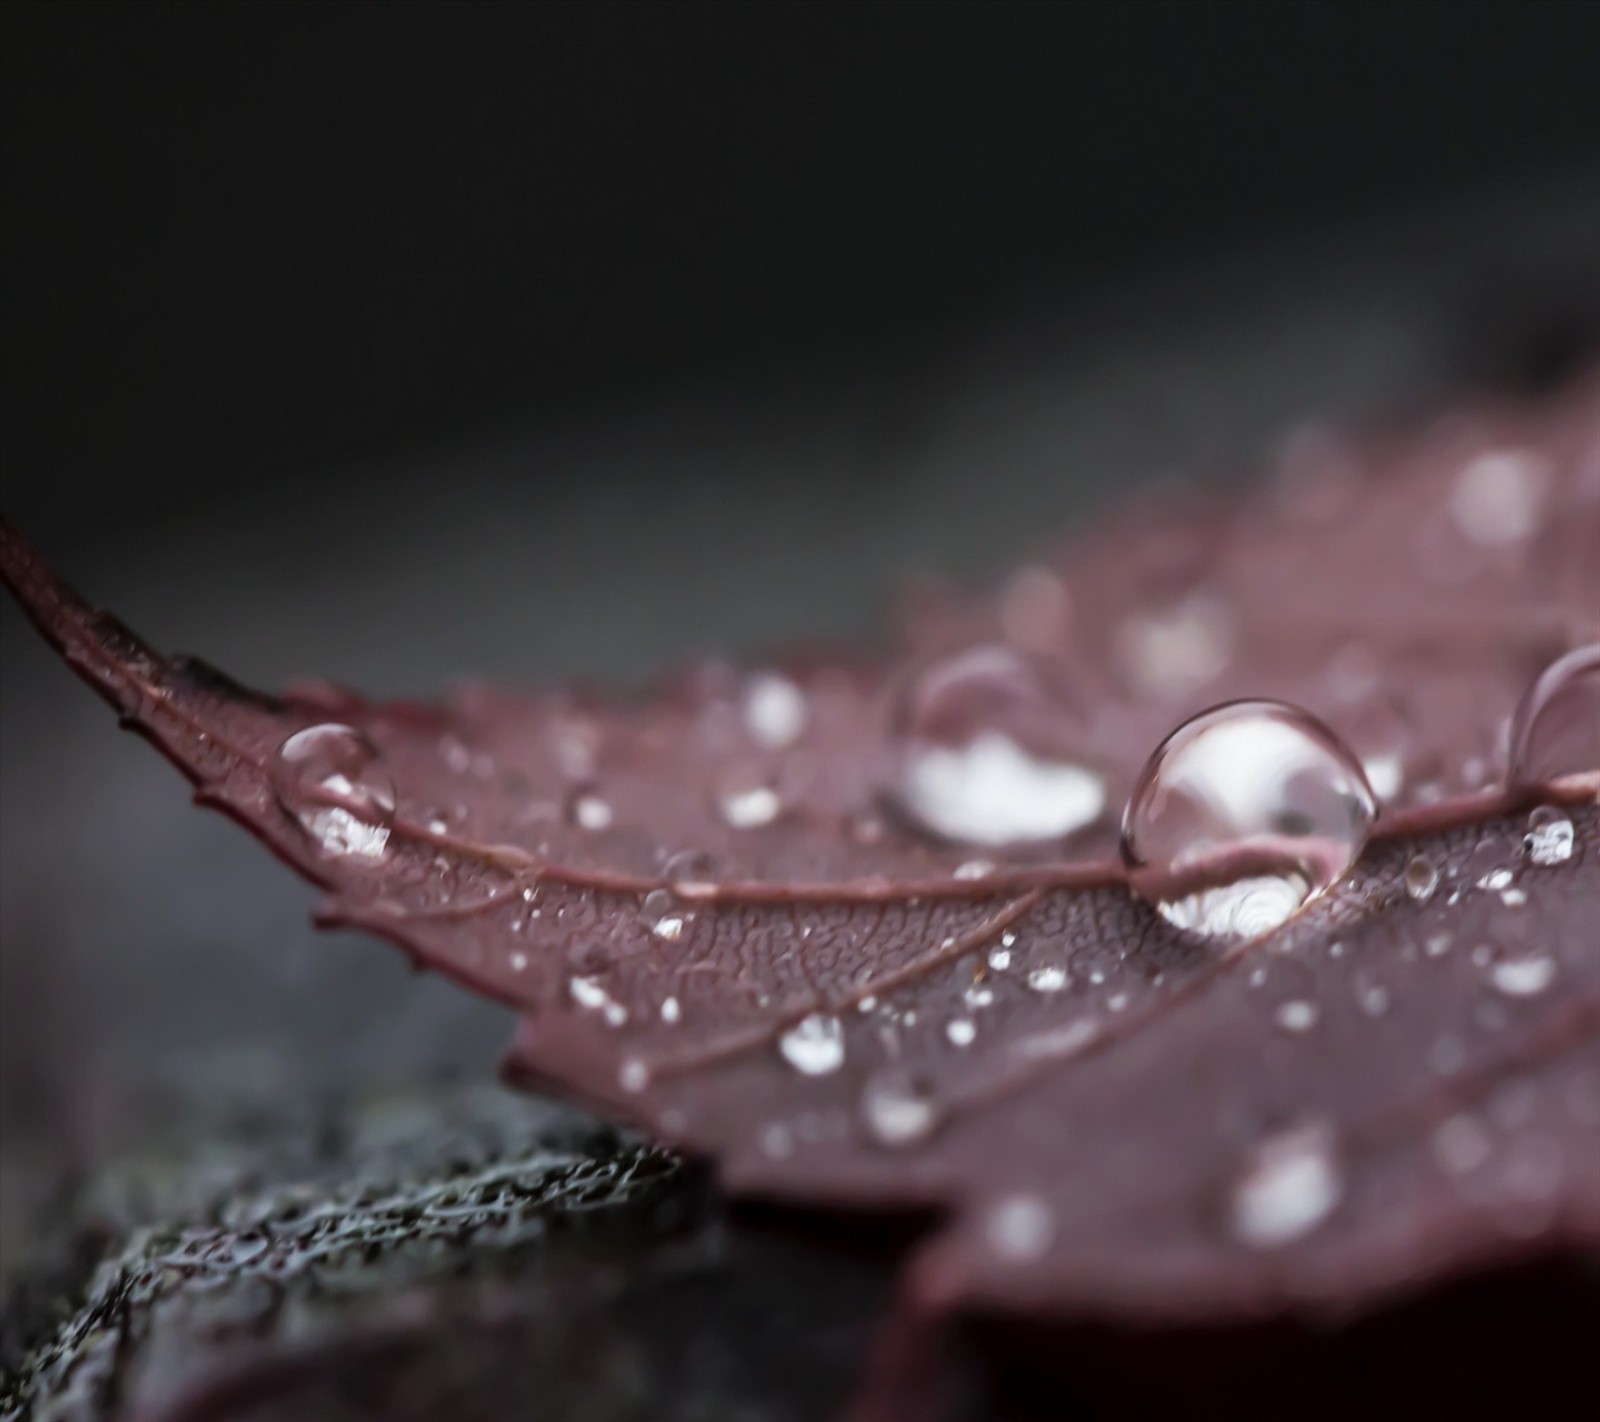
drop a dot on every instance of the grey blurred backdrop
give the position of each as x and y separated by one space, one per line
392 344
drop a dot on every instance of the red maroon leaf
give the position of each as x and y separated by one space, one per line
723 913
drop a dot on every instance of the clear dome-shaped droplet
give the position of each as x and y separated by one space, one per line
983 745
1556 731
1422 877
330 778
1242 815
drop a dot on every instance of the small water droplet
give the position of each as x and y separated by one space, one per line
1020 1228
1461 1145
974 869
1296 1015
977 996
1549 838
745 797
1523 976
588 993
1289 1185
774 711
983 754
961 1032
1436 945
670 928
330 778
1495 880
898 1108
1000 959
1556 730
1497 497
814 1046
1049 979
589 811
1372 994
1422 878
633 1075
1260 782
1171 654
670 1011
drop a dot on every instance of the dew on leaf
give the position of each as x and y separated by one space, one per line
814 1046
1170 654
1460 1144
1497 498
1296 1015
1047 979
331 779
774 711
1260 781
982 753
1020 1228
590 811
1549 838
899 1110
1287 1187
1422 877
589 993
1524 975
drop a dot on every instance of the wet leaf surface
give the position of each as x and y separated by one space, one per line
855 929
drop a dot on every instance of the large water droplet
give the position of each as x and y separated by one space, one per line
329 777
1288 1187
814 1046
983 756
1556 730
1244 814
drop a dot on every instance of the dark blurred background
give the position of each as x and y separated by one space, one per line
391 343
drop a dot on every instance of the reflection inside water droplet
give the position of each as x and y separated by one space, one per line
1556 730
982 753
1549 838
1244 814
330 778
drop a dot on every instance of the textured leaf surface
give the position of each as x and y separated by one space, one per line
717 920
